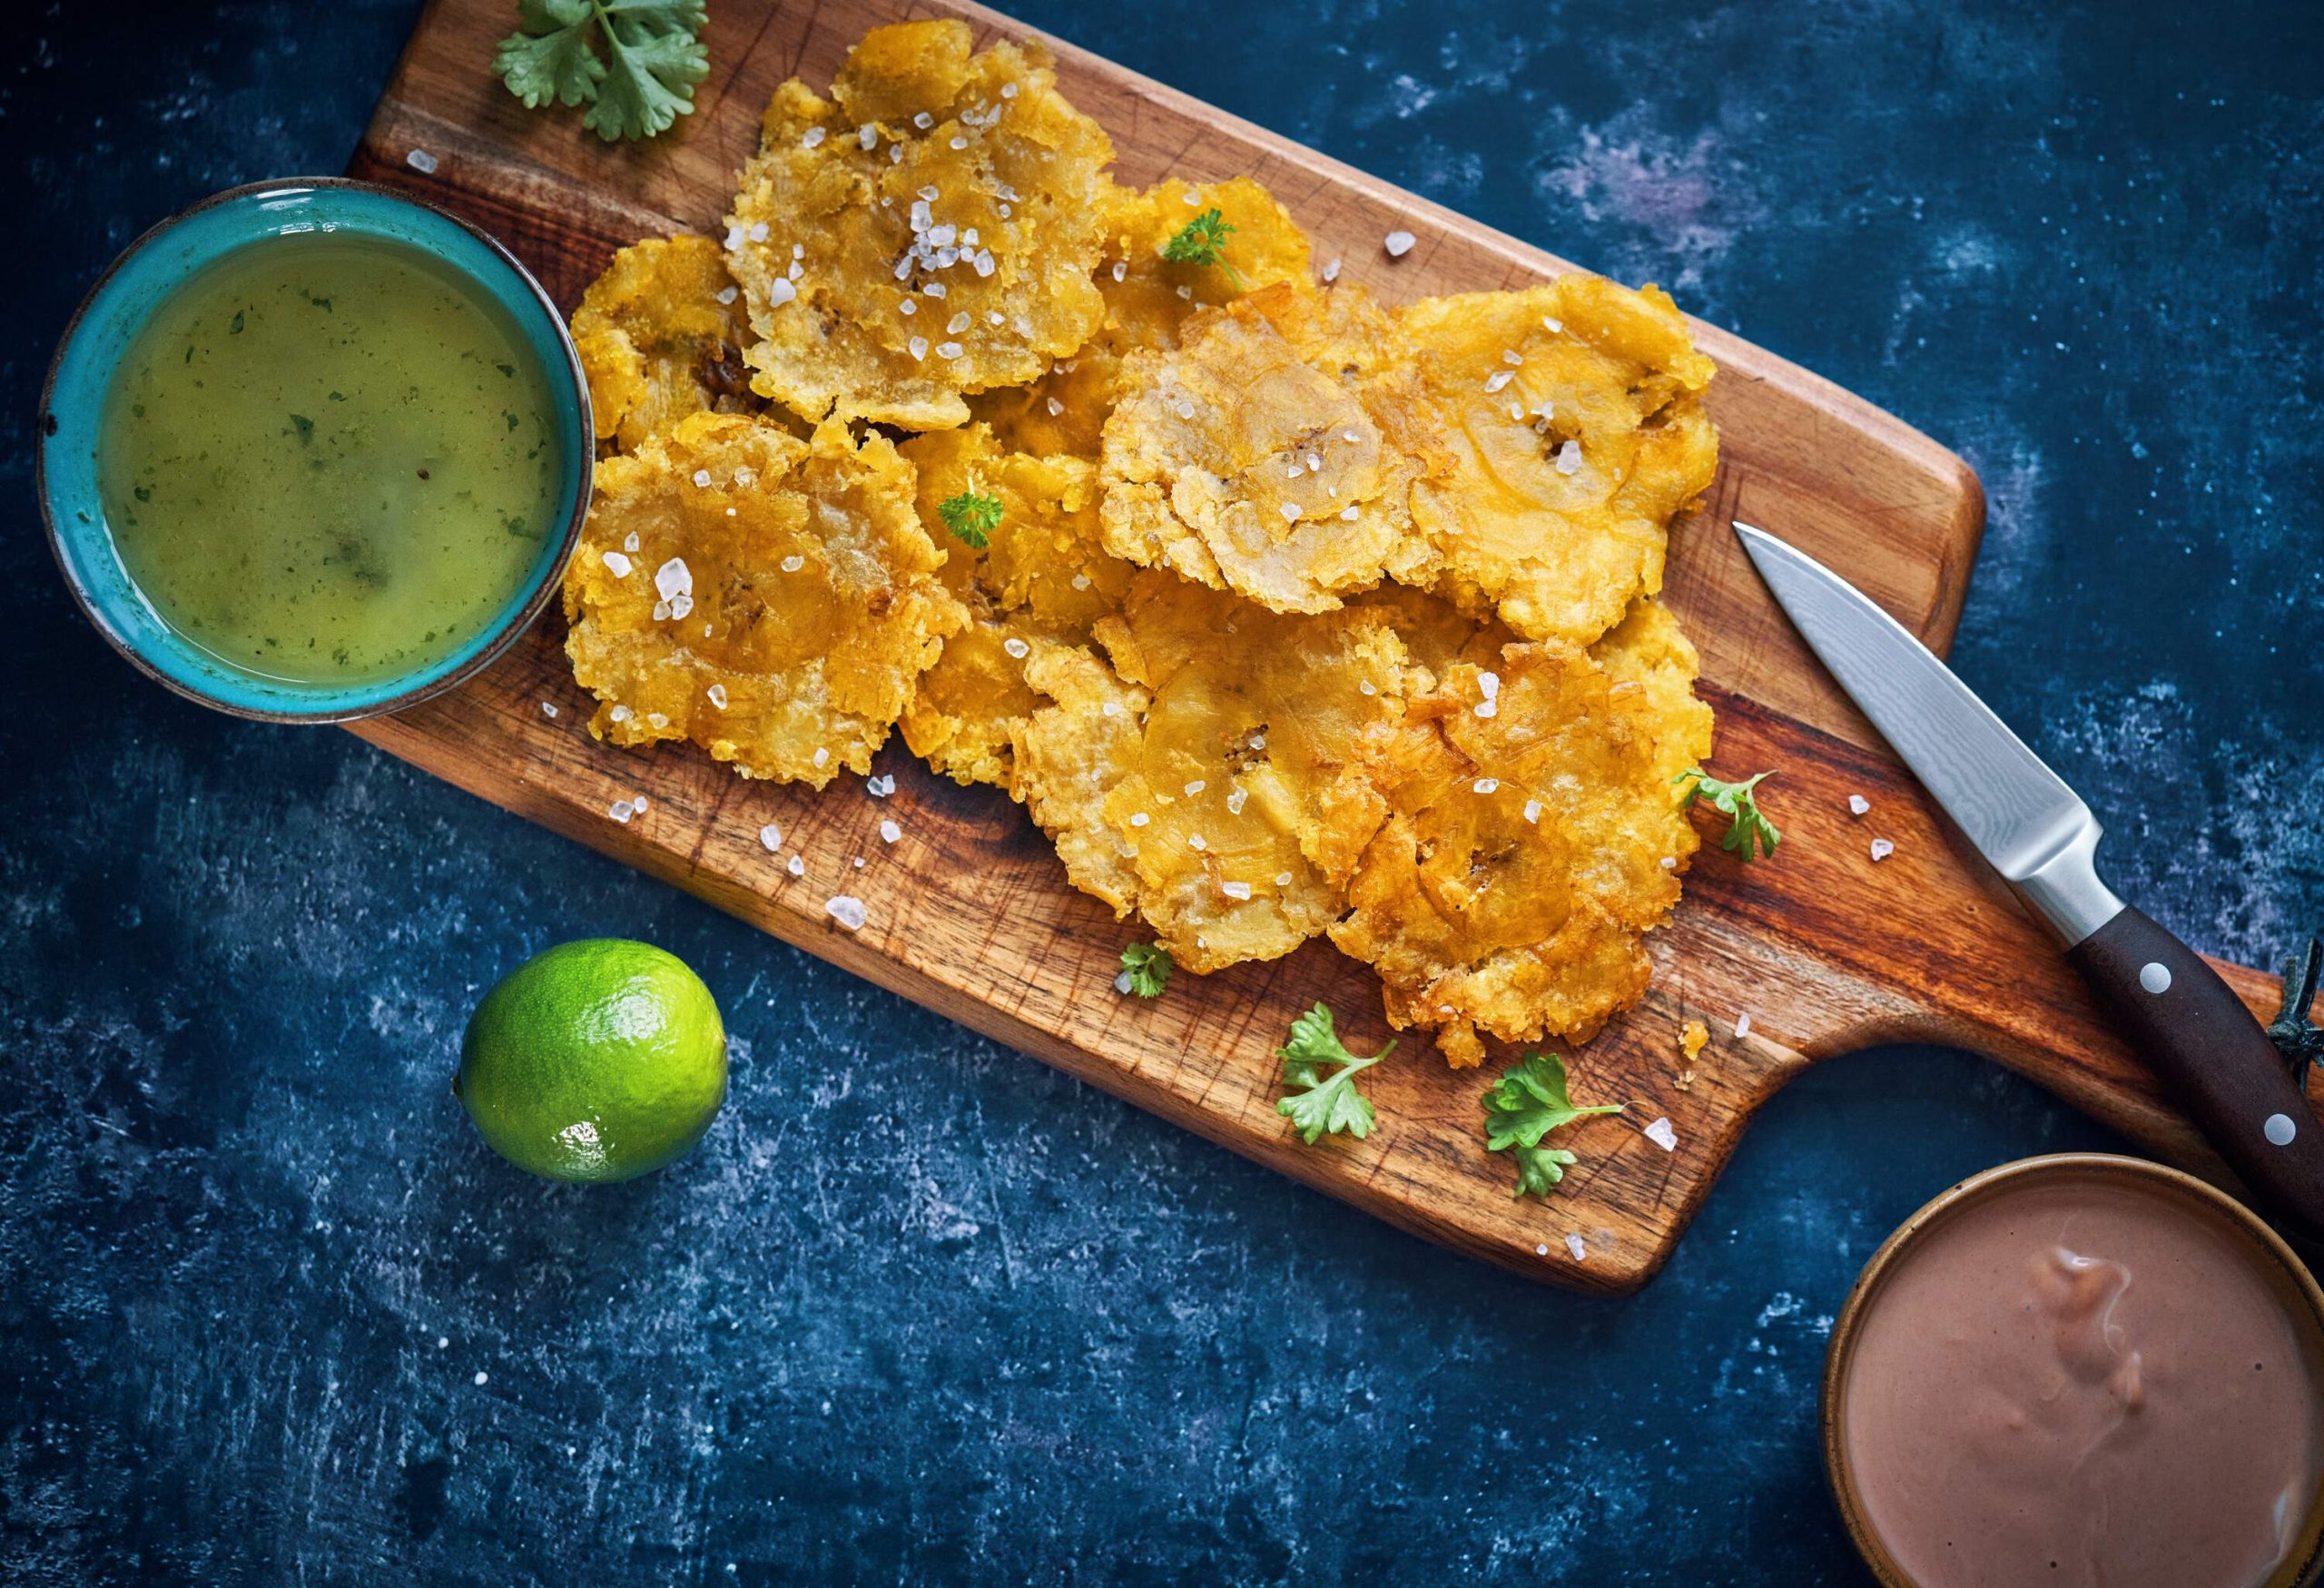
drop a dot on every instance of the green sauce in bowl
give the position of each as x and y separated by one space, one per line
314 451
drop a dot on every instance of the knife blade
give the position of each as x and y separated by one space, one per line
2041 838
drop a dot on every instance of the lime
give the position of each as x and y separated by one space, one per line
601 1059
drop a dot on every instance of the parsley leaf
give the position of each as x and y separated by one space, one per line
1147 967
1747 826
1324 1106
1203 241
657 59
1524 1105
972 516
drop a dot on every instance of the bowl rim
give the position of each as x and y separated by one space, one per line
2303 1564
498 641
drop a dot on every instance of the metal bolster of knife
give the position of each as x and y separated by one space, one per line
2059 885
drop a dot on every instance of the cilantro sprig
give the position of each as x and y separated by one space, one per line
656 58
1324 1104
1748 826
1203 241
1147 967
1524 1105
972 516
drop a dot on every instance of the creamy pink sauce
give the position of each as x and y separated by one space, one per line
2083 1381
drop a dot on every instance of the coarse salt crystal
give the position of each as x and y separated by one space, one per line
1670 863
1512 357
814 137
1283 879
908 307
1398 243
1235 800
792 564
1235 890
1196 787
1497 380
1488 685
549 708
1662 1135
917 347
726 294
960 322
1055 408
948 349
1121 982
622 713
1533 810
615 563
1573 1244
1347 514
1882 849
1858 805
960 142
890 832
717 693
1331 273
1196 841
924 121
674 578
758 231
1570 457
702 478
1291 512
1111 708
866 137
1487 708
823 756
422 161
880 787
796 865
771 837
1742 1026
621 811
779 291
1553 326
847 910
1367 686
1139 819
1016 647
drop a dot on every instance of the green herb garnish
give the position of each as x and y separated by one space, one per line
1747 828
1148 966
1203 241
656 60
972 516
1324 1104
1524 1105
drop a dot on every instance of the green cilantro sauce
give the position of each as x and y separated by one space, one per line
324 461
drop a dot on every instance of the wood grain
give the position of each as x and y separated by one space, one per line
970 914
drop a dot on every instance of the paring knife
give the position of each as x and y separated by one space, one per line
2033 830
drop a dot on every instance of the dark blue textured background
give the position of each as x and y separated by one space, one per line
920 1309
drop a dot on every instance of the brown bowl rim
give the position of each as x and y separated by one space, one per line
2303 1565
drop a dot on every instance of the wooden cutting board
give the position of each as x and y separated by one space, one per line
970 914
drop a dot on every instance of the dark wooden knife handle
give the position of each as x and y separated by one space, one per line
2216 1060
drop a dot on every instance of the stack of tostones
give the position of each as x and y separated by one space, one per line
1283 614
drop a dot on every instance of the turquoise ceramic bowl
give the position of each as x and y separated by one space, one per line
108 322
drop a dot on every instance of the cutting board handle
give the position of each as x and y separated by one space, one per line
2216 1059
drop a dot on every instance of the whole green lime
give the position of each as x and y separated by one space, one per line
601 1059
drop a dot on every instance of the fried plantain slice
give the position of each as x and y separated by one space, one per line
769 598
929 230
1042 575
1273 452
660 336
1228 815
1148 297
1534 838
1573 414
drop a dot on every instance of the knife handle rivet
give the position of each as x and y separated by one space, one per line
2155 977
2280 1129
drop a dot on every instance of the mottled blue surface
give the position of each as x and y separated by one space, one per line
921 1309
